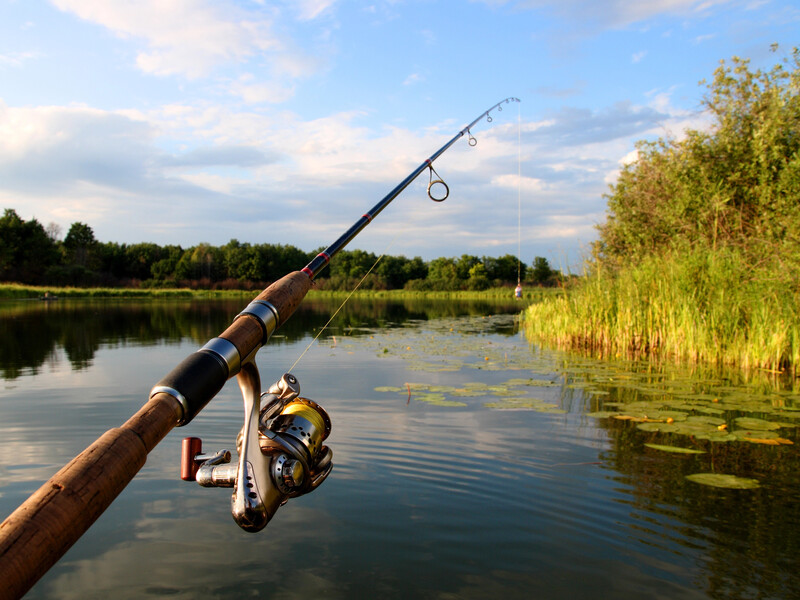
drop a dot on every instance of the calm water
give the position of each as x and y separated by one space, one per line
467 463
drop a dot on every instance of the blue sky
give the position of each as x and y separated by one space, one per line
189 121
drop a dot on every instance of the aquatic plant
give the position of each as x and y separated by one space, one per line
694 306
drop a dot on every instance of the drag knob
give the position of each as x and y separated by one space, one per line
293 474
288 474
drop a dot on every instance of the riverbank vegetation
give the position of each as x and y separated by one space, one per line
699 258
15 291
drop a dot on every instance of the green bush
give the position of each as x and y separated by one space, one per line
699 257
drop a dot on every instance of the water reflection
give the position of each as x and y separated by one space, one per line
748 538
467 464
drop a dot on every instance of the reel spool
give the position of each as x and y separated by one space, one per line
281 452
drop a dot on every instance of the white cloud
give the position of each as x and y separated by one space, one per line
616 13
567 227
311 9
182 37
16 59
253 92
704 38
630 158
75 142
580 126
514 182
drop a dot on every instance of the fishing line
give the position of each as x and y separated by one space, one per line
519 192
333 316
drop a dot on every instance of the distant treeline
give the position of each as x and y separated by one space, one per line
33 254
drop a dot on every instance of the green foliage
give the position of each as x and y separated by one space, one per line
352 263
700 255
80 246
735 185
465 264
694 307
477 278
26 251
139 259
396 271
504 268
443 274
542 273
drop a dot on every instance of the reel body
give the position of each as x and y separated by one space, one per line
280 448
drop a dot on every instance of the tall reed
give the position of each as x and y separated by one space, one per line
698 306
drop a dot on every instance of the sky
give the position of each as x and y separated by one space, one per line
202 121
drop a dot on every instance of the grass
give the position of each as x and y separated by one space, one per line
530 294
701 307
23 292
10 291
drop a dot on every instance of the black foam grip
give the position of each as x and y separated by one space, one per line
198 378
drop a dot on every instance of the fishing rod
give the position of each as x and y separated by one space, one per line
281 454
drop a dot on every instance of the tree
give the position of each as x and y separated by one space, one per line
113 260
284 258
140 259
201 262
504 268
415 269
80 245
390 270
26 251
442 274
477 279
235 257
733 186
396 271
164 268
464 266
541 270
352 263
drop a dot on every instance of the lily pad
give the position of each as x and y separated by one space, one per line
658 427
717 436
710 411
437 400
707 420
468 393
533 404
675 449
757 424
721 480
761 437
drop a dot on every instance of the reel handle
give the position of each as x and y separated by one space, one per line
191 447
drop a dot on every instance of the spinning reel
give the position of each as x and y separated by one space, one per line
280 448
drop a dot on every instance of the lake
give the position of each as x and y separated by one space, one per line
467 462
